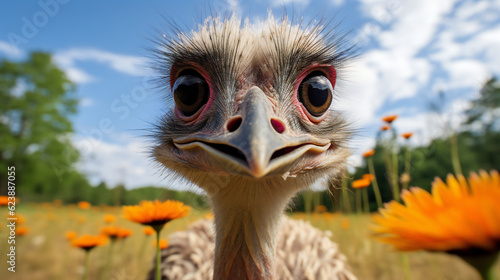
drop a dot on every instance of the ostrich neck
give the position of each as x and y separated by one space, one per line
247 218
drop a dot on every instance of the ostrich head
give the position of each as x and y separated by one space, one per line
253 123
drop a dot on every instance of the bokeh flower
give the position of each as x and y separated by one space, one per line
320 209
163 244
110 231
70 235
84 205
18 218
407 135
57 202
405 178
368 177
109 218
4 200
124 233
115 232
345 223
361 183
21 230
88 242
389 119
154 213
385 127
369 153
148 230
209 216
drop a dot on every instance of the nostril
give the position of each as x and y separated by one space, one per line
234 124
278 125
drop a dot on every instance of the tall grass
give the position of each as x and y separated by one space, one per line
44 253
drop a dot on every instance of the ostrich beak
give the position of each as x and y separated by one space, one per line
256 148
256 138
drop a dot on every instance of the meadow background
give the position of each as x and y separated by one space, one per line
76 104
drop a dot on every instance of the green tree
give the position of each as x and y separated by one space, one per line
35 128
483 111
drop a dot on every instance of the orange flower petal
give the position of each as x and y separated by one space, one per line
457 215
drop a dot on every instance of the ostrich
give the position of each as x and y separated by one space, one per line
253 124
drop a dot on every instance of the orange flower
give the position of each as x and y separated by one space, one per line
458 215
109 218
115 232
345 223
389 119
368 177
21 230
320 209
70 235
163 244
148 230
155 213
4 200
385 127
209 216
407 135
84 205
88 242
110 231
369 153
361 183
124 233
20 219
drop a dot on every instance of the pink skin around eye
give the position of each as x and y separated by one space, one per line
331 75
176 69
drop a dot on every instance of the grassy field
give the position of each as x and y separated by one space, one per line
45 253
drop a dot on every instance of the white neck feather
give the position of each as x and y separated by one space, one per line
247 218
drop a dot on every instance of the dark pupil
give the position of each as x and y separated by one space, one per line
318 90
317 95
189 91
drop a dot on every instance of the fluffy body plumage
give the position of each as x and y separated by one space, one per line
303 253
253 144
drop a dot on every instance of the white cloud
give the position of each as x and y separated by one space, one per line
276 3
338 3
466 73
86 102
10 50
77 75
125 162
233 5
126 64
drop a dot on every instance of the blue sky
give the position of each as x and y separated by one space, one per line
410 50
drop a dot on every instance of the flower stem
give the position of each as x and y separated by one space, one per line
407 167
158 270
406 266
395 177
109 262
345 196
366 203
86 272
455 159
378 197
358 201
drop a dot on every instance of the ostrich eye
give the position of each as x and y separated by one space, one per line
315 92
190 92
